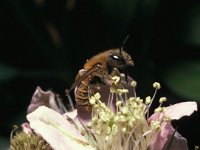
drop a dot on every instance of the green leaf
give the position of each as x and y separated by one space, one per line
184 79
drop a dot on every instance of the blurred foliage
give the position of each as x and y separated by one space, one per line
46 42
184 79
7 73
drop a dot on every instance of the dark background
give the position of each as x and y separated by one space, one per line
46 42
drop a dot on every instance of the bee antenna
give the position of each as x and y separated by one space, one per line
120 52
124 42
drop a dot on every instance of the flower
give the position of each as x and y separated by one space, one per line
174 112
120 122
60 133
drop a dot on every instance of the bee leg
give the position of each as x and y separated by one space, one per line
97 80
115 72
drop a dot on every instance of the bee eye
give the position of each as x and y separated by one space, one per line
115 57
118 59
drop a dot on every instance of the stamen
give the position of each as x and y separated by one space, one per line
127 128
157 86
70 100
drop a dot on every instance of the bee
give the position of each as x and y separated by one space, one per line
97 72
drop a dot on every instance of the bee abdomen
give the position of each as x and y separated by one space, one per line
81 93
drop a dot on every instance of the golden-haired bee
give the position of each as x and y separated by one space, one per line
97 71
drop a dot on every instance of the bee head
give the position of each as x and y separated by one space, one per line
118 60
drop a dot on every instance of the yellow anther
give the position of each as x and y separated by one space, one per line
108 130
155 124
156 85
118 103
116 119
166 119
122 118
122 91
159 109
162 99
133 83
97 96
94 119
147 100
137 99
116 79
124 110
124 130
89 124
141 101
92 100
103 105
135 105
131 99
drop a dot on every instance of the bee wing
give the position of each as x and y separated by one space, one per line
83 73
80 74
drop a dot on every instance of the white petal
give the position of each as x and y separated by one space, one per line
56 130
71 114
179 110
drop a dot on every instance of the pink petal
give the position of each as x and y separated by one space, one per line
42 98
26 128
56 130
179 110
174 112
179 142
162 136
156 117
